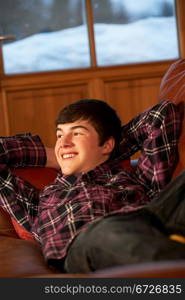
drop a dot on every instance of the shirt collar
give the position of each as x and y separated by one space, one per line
67 180
100 171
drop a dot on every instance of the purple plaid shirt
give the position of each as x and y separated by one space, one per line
61 210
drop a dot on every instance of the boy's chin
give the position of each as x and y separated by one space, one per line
66 171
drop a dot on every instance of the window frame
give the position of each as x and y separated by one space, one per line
180 11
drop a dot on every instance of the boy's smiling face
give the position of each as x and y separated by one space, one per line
77 147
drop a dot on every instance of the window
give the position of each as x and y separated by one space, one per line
135 31
50 35
67 34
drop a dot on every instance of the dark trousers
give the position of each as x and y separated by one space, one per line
136 237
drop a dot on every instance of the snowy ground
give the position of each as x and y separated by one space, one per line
148 39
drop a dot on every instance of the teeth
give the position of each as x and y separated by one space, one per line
68 155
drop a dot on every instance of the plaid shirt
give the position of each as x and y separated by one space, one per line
61 210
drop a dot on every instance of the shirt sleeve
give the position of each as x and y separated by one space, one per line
136 131
156 133
22 150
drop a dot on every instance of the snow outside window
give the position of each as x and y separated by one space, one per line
135 31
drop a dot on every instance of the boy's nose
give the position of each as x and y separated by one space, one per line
66 141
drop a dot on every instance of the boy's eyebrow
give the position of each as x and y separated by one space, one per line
74 127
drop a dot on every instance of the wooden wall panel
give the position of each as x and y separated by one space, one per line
36 110
132 96
2 116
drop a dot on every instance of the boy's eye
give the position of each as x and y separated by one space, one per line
59 136
77 133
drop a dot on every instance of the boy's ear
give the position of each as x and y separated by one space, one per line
109 145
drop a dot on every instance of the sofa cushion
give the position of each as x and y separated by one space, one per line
173 88
173 83
39 177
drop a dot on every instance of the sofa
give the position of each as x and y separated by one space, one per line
21 256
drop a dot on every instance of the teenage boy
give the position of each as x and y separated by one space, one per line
91 183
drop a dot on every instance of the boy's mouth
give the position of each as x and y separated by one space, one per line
68 155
